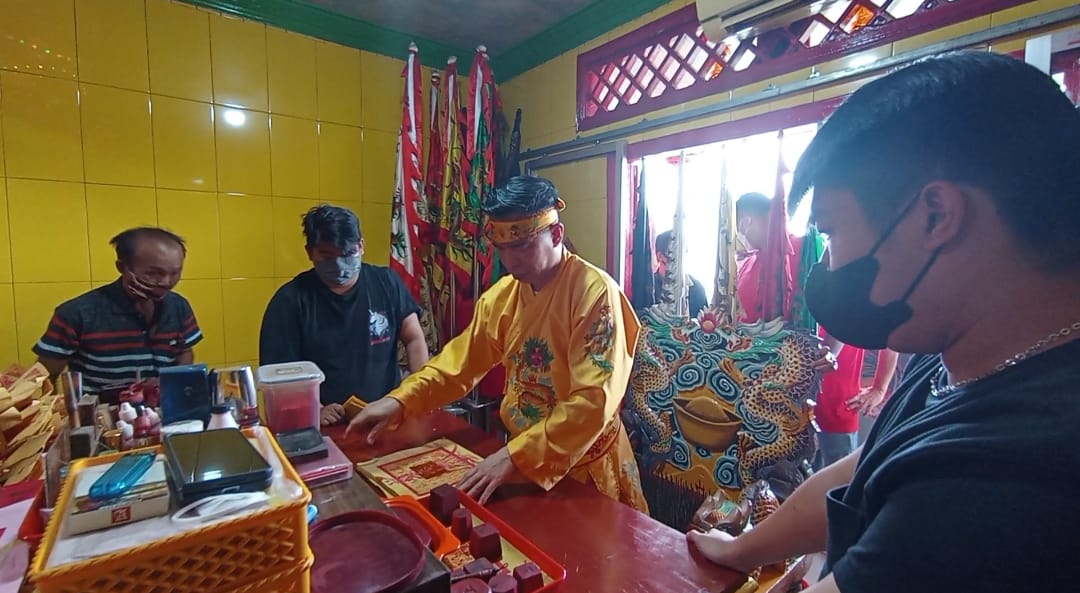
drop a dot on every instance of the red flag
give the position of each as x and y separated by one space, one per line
408 191
480 153
776 274
435 172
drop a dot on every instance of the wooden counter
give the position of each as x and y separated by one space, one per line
606 547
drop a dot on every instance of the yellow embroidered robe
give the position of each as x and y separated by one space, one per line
568 351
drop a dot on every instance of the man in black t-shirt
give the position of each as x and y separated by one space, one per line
948 190
344 315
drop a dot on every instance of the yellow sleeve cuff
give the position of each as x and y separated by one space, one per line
529 463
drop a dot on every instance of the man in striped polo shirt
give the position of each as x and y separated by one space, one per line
131 327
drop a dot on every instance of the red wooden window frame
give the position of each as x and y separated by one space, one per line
669 61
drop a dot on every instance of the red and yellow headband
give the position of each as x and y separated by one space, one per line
508 231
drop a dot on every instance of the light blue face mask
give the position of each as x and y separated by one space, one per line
338 271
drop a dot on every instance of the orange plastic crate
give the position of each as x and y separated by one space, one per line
296 579
266 551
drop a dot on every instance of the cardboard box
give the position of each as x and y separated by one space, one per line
148 498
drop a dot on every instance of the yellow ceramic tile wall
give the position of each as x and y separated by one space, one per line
194 216
9 347
42 139
38 37
381 99
179 40
184 154
138 98
375 225
292 76
294 156
243 150
118 145
47 225
34 306
565 116
289 255
238 55
244 303
339 83
111 209
112 43
5 243
379 165
205 299
247 236
341 159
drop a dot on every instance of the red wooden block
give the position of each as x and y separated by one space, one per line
485 542
443 501
503 583
461 524
529 578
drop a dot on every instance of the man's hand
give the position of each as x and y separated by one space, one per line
481 482
867 402
719 548
384 414
331 414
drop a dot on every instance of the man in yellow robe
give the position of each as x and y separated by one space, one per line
565 333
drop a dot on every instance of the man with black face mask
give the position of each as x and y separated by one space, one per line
949 192
344 315
128 328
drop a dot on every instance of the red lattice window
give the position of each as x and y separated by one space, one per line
670 61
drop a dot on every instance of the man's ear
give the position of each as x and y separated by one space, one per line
946 207
360 248
558 233
120 266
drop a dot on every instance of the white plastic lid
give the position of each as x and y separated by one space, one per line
289 372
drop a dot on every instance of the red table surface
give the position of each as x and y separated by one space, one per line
605 546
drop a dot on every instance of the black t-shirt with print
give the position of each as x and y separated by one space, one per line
353 337
975 491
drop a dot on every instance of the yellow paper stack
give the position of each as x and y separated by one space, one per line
30 415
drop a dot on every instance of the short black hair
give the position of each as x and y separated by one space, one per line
752 203
975 118
521 196
127 241
331 224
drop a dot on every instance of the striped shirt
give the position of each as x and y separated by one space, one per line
103 336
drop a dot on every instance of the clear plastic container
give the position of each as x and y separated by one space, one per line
290 395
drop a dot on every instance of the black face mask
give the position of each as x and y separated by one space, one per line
840 299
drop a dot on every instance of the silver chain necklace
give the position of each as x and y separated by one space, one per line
939 390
